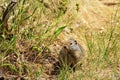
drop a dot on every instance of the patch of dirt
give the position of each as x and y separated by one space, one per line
50 63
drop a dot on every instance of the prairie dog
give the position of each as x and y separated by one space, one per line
71 54
76 49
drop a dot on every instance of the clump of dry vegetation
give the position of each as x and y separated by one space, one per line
33 32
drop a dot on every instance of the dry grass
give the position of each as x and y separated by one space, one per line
40 28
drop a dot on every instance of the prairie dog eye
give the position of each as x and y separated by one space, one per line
70 43
75 42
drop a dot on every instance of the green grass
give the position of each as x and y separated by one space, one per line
102 60
34 27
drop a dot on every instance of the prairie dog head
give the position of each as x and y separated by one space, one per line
73 45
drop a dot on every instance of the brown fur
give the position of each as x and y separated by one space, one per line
71 54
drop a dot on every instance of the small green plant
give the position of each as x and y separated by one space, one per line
31 32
